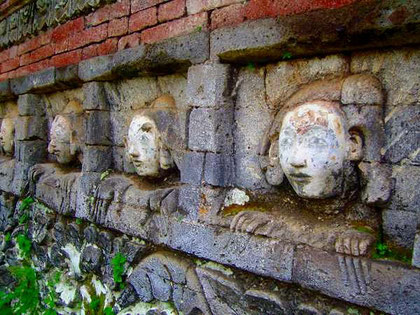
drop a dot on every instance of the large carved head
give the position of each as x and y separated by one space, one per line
151 135
66 134
319 136
314 144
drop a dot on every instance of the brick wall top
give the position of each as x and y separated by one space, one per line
129 23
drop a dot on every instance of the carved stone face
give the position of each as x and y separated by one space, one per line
60 140
142 145
313 146
7 133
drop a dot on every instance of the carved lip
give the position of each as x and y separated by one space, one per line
300 177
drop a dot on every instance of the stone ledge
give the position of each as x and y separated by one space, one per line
5 91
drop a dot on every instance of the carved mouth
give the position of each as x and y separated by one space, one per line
300 177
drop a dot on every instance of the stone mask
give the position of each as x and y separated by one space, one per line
314 144
61 140
7 133
144 147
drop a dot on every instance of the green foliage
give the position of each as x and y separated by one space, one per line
7 237
79 221
97 306
108 311
24 299
383 251
24 244
353 311
51 298
364 229
26 202
105 174
199 28
117 264
251 66
24 218
287 55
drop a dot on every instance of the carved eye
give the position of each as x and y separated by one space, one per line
317 142
286 142
146 127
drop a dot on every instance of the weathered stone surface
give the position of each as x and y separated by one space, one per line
96 158
219 169
286 77
402 128
400 226
381 285
68 76
396 70
377 183
406 196
121 161
192 168
31 128
95 96
211 130
363 90
98 128
5 90
189 201
416 251
31 105
96 69
91 259
248 172
209 85
31 152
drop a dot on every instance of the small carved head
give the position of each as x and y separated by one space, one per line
149 136
314 143
65 134
7 136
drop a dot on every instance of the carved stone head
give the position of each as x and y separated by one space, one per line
322 133
66 134
150 137
7 136
314 143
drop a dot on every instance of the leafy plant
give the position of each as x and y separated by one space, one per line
117 264
79 221
7 237
51 298
199 28
108 311
352 311
26 202
105 174
287 55
24 244
251 66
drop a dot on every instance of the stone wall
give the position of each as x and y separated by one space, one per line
173 155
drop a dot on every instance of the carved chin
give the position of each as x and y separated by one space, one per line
146 171
313 190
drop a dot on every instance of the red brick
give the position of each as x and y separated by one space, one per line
118 27
33 68
175 28
137 5
61 46
45 38
9 64
63 31
4 55
228 16
143 19
13 51
88 36
36 55
108 47
68 58
90 51
29 45
98 17
129 41
4 76
171 10
119 9
196 6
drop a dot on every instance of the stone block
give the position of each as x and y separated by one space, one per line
377 182
400 227
416 250
127 62
406 195
396 69
362 89
31 105
402 130
31 152
68 76
248 172
209 85
98 129
96 158
20 85
211 130
252 114
219 169
42 80
369 121
119 126
192 168
31 128
189 201
6 91
374 284
95 96
96 69
120 160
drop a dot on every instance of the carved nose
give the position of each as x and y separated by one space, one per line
51 147
298 163
133 153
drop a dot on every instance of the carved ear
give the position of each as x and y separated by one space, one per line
274 174
125 141
356 146
165 159
74 147
273 153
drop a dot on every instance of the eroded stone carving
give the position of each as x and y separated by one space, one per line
7 133
316 143
67 134
151 136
